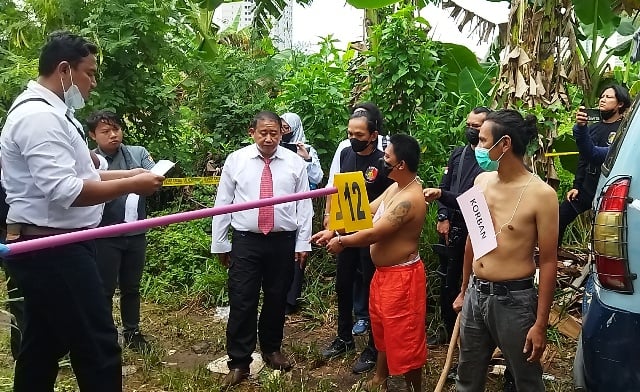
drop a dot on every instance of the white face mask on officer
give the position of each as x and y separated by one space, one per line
72 97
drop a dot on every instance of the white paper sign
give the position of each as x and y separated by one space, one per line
162 167
479 223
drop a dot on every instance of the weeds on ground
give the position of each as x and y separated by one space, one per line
196 380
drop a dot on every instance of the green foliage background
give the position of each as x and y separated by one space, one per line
188 94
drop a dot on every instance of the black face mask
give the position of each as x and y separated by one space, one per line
386 168
286 138
473 136
359 145
607 114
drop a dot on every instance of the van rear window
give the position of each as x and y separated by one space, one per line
620 136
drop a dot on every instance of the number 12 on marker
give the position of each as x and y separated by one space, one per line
353 201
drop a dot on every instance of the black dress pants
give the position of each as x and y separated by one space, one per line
120 262
350 260
65 312
569 211
15 306
450 283
258 260
295 291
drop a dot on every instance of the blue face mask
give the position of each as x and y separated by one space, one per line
484 161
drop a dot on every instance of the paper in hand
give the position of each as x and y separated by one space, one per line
162 167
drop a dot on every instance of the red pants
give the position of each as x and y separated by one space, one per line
397 308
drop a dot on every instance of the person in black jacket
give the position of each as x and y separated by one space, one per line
614 101
458 177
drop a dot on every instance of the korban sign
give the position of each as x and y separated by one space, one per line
479 223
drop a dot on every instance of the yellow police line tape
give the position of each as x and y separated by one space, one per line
558 154
215 180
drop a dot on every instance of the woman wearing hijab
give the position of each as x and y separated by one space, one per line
293 135
293 138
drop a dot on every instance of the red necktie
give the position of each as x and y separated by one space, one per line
265 214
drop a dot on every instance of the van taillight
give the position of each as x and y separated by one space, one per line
610 238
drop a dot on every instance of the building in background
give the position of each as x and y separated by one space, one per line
281 33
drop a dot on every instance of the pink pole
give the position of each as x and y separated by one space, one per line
107 231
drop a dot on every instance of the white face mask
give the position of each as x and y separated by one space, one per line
72 97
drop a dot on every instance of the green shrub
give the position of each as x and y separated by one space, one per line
180 267
317 88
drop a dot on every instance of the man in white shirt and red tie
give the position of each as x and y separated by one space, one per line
264 244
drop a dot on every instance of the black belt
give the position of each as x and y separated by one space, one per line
502 288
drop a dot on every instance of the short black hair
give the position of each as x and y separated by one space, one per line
622 95
481 109
508 122
407 149
63 46
103 116
372 113
264 116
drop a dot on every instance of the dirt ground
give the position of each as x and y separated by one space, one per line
186 340
304 338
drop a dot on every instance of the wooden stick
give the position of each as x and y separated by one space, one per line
447 363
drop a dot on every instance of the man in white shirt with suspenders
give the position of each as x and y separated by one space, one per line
53 187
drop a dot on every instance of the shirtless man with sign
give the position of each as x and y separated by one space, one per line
501 307
397 299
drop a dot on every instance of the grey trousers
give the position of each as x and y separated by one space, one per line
488 321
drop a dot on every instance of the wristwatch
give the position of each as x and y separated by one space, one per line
442 217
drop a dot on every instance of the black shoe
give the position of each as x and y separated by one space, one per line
276 360
366 361
290 309
453 373
235 377
338 347
437 339
509 382
136 341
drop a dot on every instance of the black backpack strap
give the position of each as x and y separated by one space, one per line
37 99
28 100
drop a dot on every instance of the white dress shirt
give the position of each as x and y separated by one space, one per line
240 183
45 161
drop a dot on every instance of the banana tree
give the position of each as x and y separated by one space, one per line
595 24
373 14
